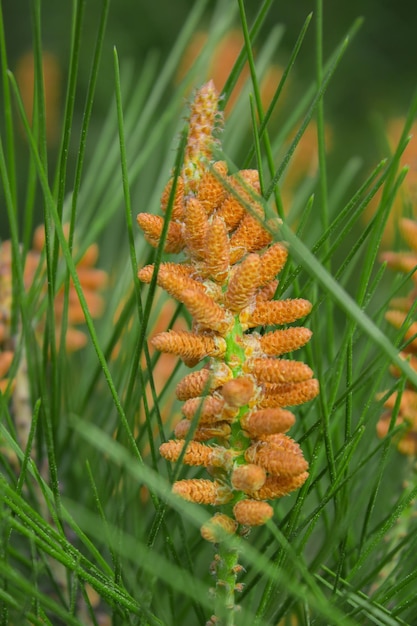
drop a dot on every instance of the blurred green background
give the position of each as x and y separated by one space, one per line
374 82
380 67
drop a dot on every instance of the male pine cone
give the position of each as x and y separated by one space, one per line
236 404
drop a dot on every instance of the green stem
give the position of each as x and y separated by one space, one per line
226 561
226 567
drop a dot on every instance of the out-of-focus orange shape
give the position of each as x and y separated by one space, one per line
407 194
25 77
92 280
304 162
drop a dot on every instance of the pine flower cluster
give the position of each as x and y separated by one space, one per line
91 278
397 316
235 407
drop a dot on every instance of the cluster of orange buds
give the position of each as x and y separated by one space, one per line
91 279
397 316
234 412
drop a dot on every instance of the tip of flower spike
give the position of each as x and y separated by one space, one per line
202 122
208 90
